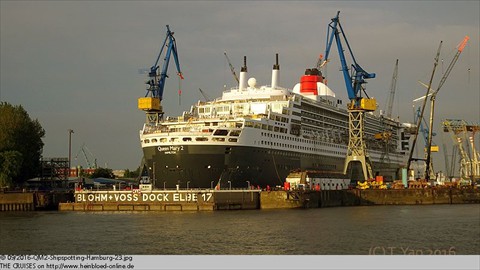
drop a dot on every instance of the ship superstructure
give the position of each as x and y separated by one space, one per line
255 135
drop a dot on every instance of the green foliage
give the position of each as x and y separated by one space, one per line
132 174
84 174
103 172
20 144
10 162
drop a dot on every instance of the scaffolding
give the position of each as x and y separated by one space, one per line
54 169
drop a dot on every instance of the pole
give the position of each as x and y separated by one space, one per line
153 174
70 131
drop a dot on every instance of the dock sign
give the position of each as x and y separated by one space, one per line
141 197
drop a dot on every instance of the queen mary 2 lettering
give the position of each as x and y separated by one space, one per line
256 135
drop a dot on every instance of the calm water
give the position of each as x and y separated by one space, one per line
341 230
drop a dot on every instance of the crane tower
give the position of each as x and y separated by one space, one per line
357 149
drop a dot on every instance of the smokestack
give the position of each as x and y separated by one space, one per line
275 73
243 75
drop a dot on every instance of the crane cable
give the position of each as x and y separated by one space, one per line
179 90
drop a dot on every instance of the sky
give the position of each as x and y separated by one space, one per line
75 64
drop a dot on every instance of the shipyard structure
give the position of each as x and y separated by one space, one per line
255 135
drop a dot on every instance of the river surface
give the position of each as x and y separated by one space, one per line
363 230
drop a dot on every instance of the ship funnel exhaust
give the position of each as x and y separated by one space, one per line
275 72
243 75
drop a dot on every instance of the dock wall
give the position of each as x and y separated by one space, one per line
210 200
16 202
30 201
308 199
418 196
357 197
164 200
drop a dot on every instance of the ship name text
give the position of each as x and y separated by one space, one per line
172 149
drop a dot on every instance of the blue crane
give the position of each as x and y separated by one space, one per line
423 128
357 149
156 83
355 80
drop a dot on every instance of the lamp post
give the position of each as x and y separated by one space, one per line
188 182
230 184
211 185
70 131
164 185
248 182
153 174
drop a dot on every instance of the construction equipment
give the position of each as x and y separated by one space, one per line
371 184
433 95
319 62
357 150
425 133
205 96
469 159
151 103
232 69
386 135
393 87
432 102
420 117
87 160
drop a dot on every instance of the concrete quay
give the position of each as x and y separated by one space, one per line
33 200
211 200
163 200
357 197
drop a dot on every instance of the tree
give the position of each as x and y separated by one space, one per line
20 145
10 162
103 172
132 174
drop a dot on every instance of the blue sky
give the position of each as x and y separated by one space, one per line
74 65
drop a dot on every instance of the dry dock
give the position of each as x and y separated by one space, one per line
210 200
164 200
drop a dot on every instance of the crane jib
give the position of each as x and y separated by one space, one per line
354 81
156 81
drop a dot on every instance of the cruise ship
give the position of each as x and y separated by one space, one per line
256 135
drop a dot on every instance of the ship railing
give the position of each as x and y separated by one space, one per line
147 129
